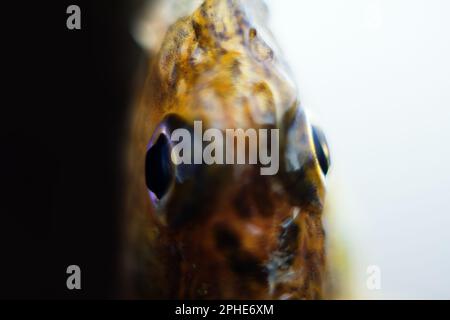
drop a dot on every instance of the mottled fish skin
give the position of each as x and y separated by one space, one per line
227 232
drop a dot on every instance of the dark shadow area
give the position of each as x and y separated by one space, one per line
64 109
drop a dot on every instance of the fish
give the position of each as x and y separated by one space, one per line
221 231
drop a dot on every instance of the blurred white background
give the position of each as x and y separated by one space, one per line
377 75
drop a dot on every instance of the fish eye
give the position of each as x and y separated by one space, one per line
321 148
159 171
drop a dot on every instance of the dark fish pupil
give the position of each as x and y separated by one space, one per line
321 147
158 168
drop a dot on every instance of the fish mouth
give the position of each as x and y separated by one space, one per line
222 260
